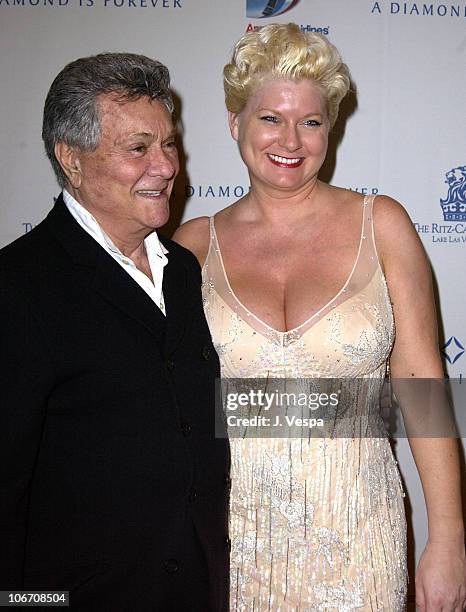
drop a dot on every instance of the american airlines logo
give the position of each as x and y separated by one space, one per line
258 9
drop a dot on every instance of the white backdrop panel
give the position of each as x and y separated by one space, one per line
407 131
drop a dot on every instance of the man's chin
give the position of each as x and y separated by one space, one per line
160 217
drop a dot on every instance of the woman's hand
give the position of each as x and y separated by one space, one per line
441 578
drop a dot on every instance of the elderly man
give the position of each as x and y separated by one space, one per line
112 484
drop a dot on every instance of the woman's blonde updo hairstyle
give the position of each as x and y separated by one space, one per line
284 51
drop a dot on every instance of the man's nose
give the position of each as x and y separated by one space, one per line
163 163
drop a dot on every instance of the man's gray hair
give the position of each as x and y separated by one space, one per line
71 113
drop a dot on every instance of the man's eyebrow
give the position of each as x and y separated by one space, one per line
138 135
171 134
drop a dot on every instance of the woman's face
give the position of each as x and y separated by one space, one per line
282 134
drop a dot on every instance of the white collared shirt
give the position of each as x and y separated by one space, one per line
156 252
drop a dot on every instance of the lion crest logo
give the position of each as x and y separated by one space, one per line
454 205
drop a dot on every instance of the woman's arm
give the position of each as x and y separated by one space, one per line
441 574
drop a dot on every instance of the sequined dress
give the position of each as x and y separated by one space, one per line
315 524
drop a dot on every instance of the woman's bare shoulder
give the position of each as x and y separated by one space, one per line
195 236
394 231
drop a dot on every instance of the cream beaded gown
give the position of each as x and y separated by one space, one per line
315 524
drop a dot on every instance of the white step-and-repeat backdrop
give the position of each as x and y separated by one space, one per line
402 132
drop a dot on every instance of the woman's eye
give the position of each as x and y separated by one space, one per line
269 119
139 149
313 123
170 144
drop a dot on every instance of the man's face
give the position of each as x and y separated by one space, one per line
127 181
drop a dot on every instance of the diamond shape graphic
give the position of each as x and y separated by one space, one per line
452 349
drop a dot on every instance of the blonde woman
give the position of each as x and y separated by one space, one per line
301 280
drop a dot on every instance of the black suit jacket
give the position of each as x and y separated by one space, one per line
113 485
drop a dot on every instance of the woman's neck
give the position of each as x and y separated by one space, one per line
272 206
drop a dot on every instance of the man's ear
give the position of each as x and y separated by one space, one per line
68 158
233 122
